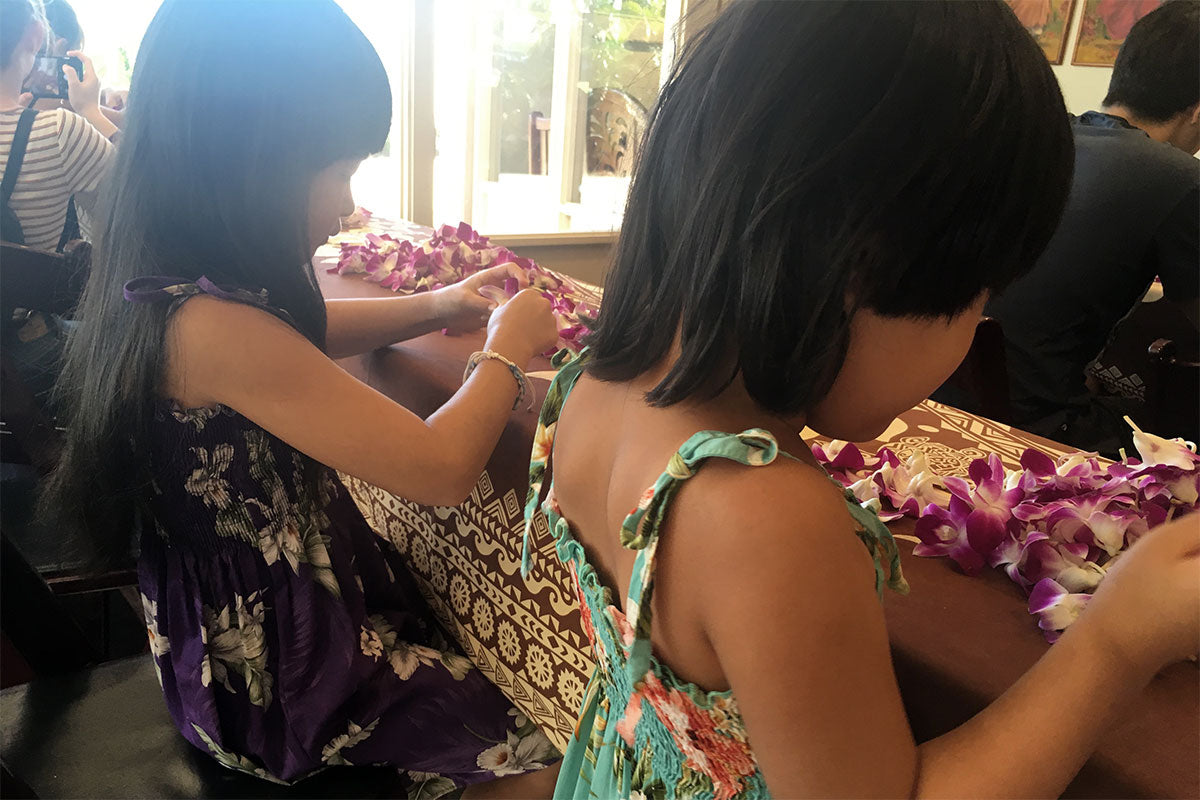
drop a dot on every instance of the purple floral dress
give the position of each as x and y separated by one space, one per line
288 636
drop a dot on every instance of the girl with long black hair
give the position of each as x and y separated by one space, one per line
205 411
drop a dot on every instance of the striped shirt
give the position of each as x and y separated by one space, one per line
65 156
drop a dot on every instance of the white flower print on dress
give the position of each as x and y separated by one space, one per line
207 481
292 530
206 662
406 657
457 665
159 645
369 643
516 755
355 733
233 760
427 785
241 649
198 417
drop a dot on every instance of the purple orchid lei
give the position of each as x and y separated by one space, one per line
451 254
1055 526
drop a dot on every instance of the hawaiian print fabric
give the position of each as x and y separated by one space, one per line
288 636
642 732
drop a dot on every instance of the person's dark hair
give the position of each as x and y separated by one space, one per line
806 160
233 110
63 22
1156 74
15 18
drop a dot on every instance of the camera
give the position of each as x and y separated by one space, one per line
47 78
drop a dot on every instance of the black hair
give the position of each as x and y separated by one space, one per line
63 22
15 18
233 110
806 160
1156 74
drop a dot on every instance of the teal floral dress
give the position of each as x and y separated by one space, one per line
643 732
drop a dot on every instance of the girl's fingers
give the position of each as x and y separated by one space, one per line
497 275
516 272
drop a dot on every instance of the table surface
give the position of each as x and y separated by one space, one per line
957 642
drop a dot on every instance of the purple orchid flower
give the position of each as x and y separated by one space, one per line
451 254
1055 607
1066 563
1094 519
943 532
992 504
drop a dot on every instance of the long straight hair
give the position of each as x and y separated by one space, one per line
234 107
807 159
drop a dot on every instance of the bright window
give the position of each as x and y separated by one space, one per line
530 111
539 108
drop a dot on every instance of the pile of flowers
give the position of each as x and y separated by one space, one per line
1054 526
450 255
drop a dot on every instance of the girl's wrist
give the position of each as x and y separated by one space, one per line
438 307
524 388
1097 645
510 350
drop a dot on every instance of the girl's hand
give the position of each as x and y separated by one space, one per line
1147 610
463 309
523 327
84 95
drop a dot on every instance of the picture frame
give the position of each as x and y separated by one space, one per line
1103 26
1049 22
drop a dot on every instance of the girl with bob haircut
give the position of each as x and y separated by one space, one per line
204 411
827 195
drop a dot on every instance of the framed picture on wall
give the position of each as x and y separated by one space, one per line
1048 21
1103 28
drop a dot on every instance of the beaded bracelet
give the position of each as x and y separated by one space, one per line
524 389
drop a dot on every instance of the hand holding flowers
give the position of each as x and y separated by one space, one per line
467 305
1147 611
522 327
453 254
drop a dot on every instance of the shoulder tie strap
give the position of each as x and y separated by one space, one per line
570 366
157 288
754 447
149 289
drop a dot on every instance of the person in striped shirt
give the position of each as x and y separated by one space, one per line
68 152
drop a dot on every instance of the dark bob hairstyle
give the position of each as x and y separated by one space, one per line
808 159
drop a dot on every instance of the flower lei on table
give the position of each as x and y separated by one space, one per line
1055 527
451 254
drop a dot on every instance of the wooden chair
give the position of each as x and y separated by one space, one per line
45 281
50 283
539 144
1173 394
615 124
980 384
